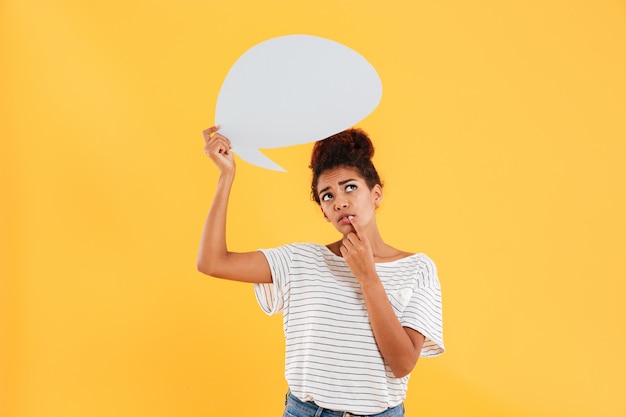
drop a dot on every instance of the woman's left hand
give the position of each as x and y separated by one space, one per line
399 346
357 252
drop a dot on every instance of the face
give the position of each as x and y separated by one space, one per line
343 193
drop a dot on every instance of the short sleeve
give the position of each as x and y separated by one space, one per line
423 312
271 296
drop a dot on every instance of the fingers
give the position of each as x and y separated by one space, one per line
355 226
218 148
214 142
359 233
353 238
355 241
351 243
207 133
344 251
211 133
217 145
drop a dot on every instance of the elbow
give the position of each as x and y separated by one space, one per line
201 267
212 264
205 267
403 368
402 372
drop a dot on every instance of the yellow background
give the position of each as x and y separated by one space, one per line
500 137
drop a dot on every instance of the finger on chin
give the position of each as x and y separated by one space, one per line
354 225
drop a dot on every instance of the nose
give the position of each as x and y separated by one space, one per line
340 203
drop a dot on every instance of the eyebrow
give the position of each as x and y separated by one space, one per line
340 183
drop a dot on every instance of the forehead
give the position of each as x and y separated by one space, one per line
331 177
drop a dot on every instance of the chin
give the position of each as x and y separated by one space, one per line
344 228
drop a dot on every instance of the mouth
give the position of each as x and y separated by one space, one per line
345 219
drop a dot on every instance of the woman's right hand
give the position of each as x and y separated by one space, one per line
214 258
218 148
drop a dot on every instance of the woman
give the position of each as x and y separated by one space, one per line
357 313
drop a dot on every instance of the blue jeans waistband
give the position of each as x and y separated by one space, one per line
297 408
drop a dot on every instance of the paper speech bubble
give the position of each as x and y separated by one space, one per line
293 90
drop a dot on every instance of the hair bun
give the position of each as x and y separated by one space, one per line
352 145
362 145
350 148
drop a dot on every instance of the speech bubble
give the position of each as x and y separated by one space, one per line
293 90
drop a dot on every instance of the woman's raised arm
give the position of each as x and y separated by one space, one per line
213 257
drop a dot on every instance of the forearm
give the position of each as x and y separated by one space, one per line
213 249
395 345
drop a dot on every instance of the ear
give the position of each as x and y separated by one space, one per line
377 194
325 216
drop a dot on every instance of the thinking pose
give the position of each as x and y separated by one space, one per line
357 313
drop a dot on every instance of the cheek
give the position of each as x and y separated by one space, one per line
324 213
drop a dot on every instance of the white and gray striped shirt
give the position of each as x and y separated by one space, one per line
331 354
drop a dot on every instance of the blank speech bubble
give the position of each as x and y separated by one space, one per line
293 90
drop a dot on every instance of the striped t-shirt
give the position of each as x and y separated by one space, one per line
331 355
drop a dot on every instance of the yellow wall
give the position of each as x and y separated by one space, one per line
501 137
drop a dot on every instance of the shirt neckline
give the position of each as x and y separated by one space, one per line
331 253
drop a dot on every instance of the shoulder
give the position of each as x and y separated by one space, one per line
296 251
426 270
419 266
302 259
424 260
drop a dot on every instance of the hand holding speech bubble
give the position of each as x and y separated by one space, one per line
293 90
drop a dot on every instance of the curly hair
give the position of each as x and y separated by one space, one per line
351 148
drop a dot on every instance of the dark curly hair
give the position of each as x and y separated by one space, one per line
351 148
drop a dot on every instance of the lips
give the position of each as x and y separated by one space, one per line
344 219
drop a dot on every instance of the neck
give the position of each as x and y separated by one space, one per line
378 245
379 248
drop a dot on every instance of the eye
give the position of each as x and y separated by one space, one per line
327 197
351 187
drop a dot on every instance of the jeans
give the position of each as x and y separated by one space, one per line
296 408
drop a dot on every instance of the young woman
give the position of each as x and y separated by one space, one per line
357 313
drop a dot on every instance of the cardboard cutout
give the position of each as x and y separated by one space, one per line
292 90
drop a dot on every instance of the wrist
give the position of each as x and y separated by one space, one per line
369 280
227 176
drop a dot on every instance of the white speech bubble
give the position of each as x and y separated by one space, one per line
293 90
